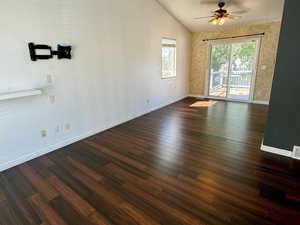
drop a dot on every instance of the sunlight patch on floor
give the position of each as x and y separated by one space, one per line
203 104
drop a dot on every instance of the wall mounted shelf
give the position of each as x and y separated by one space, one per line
19 94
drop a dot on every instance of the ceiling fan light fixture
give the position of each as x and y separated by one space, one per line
221 15
218 21
222 21
215 21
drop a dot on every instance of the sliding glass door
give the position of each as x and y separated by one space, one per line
232 70
219 70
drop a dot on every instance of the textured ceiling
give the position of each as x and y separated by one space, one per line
257 12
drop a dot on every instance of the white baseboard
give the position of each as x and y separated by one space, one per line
196 96
253 102
43 151
51 148
277 151
261 102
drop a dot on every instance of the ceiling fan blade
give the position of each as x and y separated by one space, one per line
204 17
212 20
239 12
233 17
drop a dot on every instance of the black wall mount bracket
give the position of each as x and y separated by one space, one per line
63 52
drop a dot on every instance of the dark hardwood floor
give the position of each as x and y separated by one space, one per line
177 165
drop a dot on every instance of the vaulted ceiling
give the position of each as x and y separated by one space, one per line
254 12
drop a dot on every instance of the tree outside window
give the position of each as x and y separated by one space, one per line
168 58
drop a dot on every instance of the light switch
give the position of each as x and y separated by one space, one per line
43 133
49 79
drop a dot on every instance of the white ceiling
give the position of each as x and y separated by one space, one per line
258 12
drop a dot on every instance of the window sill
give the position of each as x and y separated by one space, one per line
169 78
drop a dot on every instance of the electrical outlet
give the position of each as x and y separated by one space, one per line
67 126
57 129
43 133
49 79
52 99
148 101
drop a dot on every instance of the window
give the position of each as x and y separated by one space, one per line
168 58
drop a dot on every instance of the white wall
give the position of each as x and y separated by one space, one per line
115 69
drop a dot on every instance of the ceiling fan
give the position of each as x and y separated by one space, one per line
220 15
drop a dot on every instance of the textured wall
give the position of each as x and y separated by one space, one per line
200 59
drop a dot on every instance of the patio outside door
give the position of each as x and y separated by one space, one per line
233 69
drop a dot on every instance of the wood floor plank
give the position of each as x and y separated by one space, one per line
120 157
16 199
7 215
156 188
179 165
137 215
187 219
2 196
66 211
40 184
83 207
45 223
46 161
92 174
128 177
45 210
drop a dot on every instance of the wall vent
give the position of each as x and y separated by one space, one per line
296 152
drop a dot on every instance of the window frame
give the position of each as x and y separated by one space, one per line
175 57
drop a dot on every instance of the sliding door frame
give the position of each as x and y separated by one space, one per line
255 70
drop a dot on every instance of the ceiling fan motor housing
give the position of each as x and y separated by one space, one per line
221 12
222 4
